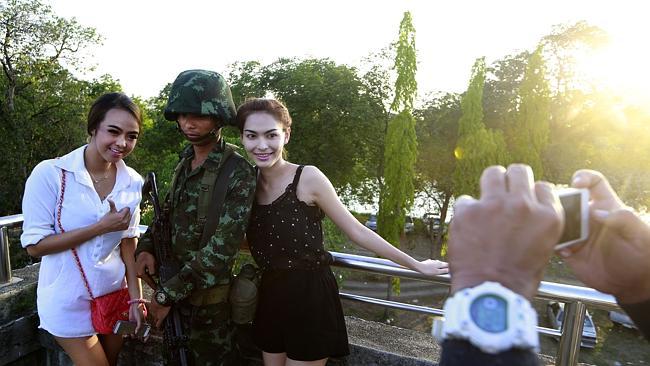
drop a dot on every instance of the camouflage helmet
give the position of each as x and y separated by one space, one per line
201 92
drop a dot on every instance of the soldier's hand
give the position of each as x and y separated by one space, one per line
158 312
115 220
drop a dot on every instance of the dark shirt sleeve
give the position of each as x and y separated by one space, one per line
640 315
212 264
462 353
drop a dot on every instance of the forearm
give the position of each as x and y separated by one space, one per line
369 240
127 250
63 241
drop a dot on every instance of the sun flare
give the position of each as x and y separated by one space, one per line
620 66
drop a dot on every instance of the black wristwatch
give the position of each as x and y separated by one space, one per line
162 298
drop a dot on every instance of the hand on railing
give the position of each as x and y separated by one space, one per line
432 267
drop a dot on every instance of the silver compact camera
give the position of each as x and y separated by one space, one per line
576 216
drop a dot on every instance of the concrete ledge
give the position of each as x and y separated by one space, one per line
380 344
18 299
21 343
19 338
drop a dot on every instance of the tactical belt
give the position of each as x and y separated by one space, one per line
212 295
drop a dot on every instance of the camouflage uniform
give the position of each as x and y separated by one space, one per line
205 267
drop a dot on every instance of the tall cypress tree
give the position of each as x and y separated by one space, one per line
528 133
396 196
478 147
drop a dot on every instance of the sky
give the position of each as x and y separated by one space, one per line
147 43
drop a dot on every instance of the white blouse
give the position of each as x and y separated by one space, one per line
62 299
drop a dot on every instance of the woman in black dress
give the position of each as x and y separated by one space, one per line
299 320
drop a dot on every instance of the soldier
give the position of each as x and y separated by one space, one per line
201 103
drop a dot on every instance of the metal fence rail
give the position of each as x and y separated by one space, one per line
576 298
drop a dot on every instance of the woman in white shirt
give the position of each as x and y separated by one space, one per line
100 216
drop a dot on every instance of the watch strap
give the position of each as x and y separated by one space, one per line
519 329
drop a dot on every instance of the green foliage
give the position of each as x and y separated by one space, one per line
34 41
437 134
159 143
43 106
406 86
397 193
528 134
334 239
396 196
595 132
477 147
501 90
400 145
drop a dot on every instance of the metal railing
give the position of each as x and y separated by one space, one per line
576 298
5 264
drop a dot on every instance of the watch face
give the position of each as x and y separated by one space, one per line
161 297
490 313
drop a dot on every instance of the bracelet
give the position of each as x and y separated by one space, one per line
137 301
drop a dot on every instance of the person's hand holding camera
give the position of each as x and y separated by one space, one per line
506 236
616 257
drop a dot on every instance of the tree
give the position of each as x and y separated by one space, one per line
477 147
528 134
379 80
566 44
40 113
437 133
501 91
32 39
396 196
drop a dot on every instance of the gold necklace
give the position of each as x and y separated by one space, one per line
98 180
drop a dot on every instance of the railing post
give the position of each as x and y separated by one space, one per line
5 264
569 347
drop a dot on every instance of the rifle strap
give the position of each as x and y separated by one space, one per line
172 198
214 186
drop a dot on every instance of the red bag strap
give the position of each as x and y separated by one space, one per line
74 251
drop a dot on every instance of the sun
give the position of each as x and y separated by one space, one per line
621 66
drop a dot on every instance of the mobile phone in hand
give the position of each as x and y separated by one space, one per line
576 216
124 327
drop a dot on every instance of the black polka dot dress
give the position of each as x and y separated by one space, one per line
299 311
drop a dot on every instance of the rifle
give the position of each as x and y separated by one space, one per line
175 340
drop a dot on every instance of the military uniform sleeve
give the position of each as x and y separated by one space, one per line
212 264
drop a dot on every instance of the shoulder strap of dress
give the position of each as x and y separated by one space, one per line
296 177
